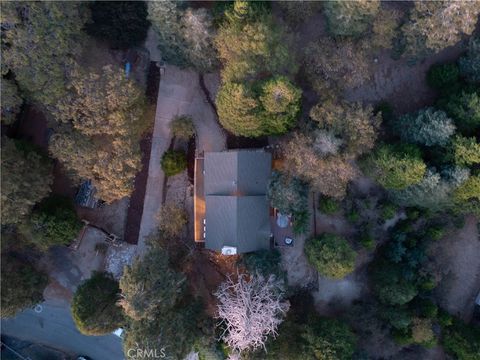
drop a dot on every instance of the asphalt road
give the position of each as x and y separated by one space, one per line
54 327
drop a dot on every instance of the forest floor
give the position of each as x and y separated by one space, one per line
457 257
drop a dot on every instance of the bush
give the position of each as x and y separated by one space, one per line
443 76
94 305
353 216
367 240
328 205
123 24
331 255
182 127
435 232
388 211
301 222
174 162
444 318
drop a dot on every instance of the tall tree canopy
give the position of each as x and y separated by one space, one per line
149 286
395 166
186 35
290 196
100 123
434 191
122 24
336 64
11 101
256 97
435 25
52 222
39 43
26 179
464 109
327 173
426 127
470 63
271 111
350 18
331 255
355 124
94 306
21 285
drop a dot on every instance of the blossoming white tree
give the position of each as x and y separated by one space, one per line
250 310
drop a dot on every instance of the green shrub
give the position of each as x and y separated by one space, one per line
367 240
388 211
387 111
426 308
353 216
331 255
442 76
444 318
301 222
435 232
412 213
182 127
174 162
328 205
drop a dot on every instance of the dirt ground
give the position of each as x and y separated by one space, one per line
111 217
67 268
457 256
393 81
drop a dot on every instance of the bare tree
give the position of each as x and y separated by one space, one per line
250 310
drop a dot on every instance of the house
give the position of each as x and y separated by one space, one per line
232 210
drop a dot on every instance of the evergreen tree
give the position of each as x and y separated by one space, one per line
21 285
186 35
122 24
350 18
395 166
40 41
11 101
53 222
426 127
94 306
26 179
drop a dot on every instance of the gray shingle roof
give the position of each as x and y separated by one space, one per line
237 209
